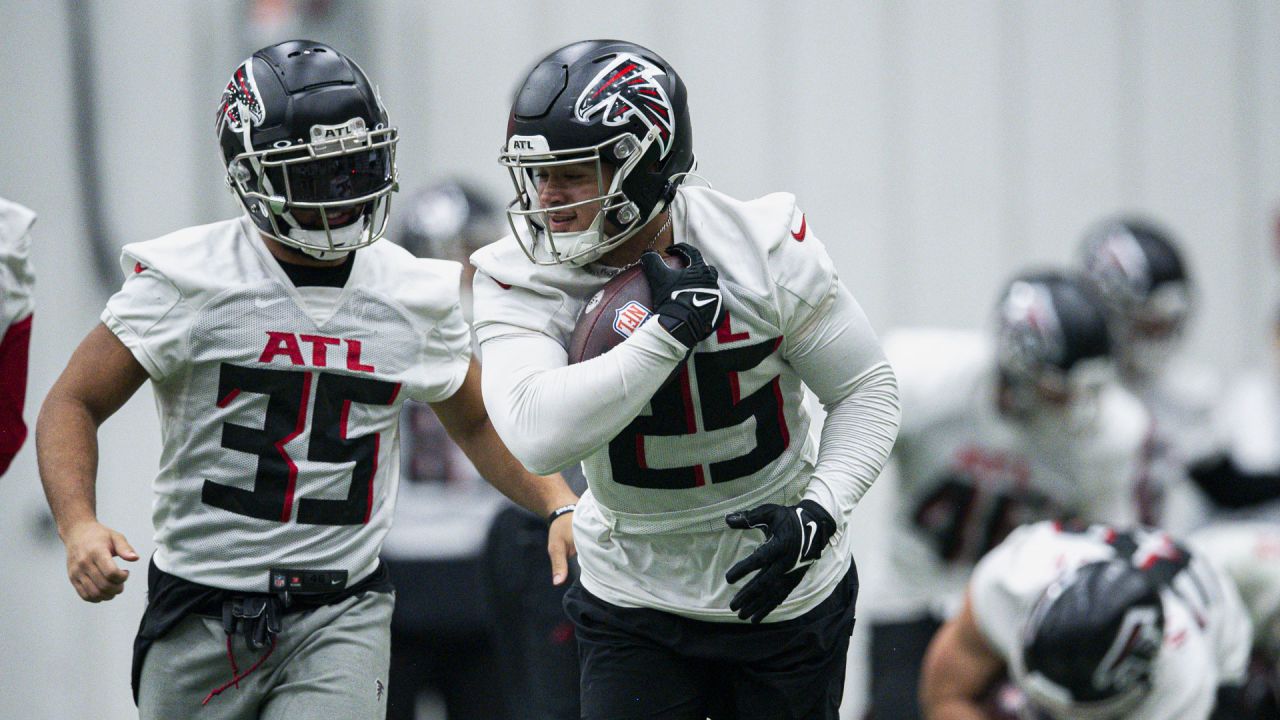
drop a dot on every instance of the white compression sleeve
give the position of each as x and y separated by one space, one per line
550 414
840 360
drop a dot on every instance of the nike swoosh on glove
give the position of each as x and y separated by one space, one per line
687 299
795 536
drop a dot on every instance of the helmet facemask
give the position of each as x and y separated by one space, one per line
326 197
617 218
1150 333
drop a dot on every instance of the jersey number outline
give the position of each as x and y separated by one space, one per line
275 479
718 399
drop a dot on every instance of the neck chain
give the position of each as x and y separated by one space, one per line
654 240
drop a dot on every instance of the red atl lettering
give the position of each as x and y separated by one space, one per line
725 333
353 357
290 345
281 343
320 348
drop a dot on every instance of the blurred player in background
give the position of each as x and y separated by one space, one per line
1093 623
471 592
16 307
1241 477
707 586
281 346
1135 266
995 434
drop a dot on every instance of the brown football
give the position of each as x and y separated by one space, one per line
614 312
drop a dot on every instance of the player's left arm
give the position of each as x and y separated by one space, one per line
831 345
840 359
959 666
464 416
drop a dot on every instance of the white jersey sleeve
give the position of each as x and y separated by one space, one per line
17 279
148 315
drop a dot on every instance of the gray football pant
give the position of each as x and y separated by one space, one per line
328 663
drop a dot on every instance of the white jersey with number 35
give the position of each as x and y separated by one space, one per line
279 416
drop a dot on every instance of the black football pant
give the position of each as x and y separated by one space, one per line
897 655
537 657
641 663
440 640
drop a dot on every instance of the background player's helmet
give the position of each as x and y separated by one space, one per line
1052 345
1135 267
601 101
1090 644
308 148
449 221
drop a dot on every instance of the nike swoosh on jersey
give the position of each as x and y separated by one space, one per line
501 284
705 301
799 234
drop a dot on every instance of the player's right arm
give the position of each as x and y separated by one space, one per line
100 377
958 668
551 414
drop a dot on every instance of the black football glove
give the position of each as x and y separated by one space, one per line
687 300
795 536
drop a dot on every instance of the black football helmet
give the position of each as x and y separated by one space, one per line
308 148
1052 345
1091 642
599 101
448 220
1135 267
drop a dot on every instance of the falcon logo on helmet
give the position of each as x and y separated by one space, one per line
241 98
628 87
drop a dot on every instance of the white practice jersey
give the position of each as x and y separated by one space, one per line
1249 552
1206 629
279 408
17 280
1247 423
1181 399
729 433
967 474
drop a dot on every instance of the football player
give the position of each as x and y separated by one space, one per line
280 346
1093 623
1135 267
716 573
1031 426
16 308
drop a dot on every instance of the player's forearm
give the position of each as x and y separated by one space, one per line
551 415
67 454
954 710
857 436
538 494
